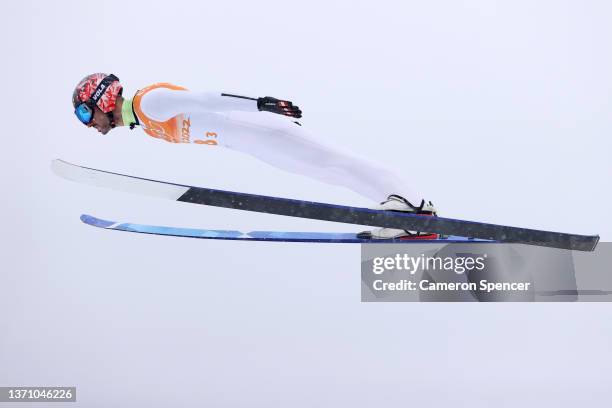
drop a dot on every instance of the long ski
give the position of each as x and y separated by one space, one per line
271 236
322 211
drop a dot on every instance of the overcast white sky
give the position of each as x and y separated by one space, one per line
498 111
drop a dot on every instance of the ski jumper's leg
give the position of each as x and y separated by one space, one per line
283 144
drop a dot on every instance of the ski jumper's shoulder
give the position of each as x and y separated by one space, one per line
152 114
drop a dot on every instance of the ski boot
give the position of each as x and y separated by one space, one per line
398 203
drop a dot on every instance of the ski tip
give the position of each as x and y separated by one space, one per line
96 222
68 171
54 164
58 166
58 162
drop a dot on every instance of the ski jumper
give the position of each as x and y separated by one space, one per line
177 115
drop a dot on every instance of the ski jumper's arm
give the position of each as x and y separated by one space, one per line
161 104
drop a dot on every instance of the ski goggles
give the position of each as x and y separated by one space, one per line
84 112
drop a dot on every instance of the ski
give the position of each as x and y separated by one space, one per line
270 236
322 211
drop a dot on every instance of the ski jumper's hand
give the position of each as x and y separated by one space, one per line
270 104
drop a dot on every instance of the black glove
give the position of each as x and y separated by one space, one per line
270 104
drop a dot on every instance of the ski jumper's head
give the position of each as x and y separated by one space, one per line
97 101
